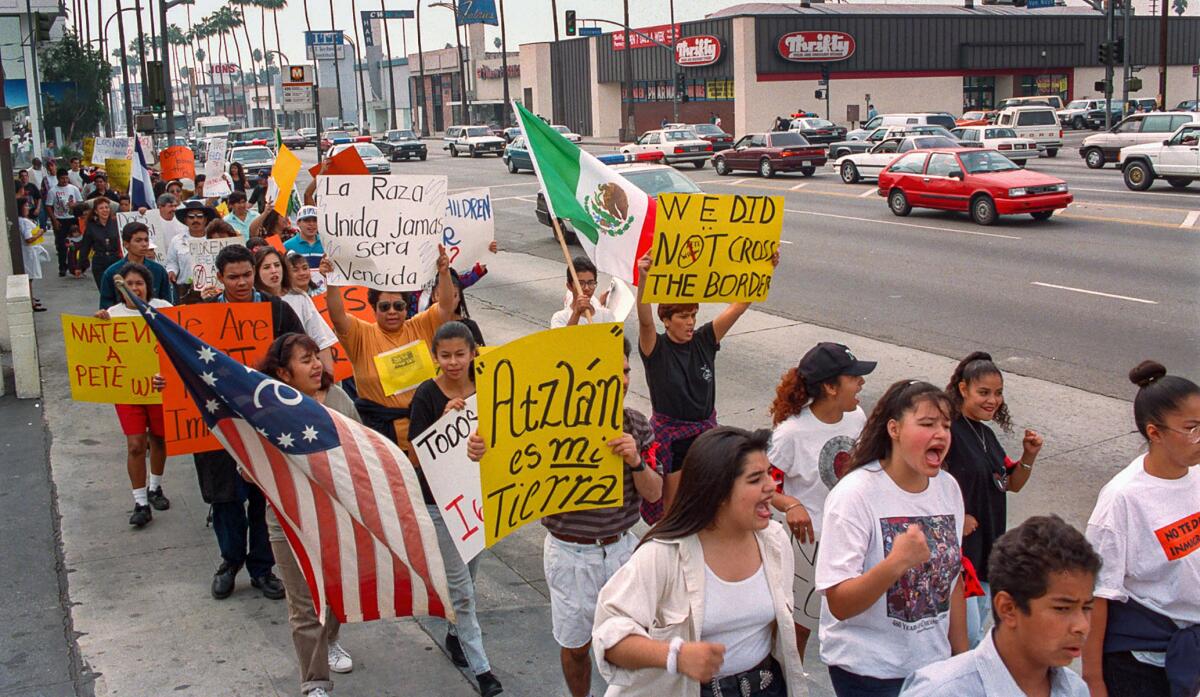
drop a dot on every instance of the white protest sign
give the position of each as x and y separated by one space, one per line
468 228
381 231
148 150
214 167
112 149
454 478
804 580
204 259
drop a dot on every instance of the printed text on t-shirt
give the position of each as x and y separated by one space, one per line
1180 538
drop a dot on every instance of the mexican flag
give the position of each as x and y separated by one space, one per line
613 218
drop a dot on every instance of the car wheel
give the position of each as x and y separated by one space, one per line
512 167
1077 123
841 152
720 166
453 151
898 202
983 210
423 156
849 173
1094 158
473 152
1138 176
765 168
1051 152
1179 183
698 164
808 171
1021 163
1042 215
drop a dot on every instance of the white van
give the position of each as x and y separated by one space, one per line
946 121
1037 123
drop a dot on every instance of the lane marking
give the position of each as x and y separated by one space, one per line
496 186
1095 292
1122 221
785 242
1190 220
869 192
736 182
896 222
1106 204
526 197
799 186
1127 192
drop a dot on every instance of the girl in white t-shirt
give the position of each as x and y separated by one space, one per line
1146 527
817 420
271 276
890 559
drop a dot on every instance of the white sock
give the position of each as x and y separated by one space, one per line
139 497
155 481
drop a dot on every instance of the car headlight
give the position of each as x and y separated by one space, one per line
1060 187
1019 191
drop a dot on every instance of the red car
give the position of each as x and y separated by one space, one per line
982 182
768 153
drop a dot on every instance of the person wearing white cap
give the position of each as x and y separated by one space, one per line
307 242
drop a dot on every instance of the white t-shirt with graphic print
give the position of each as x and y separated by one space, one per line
812 454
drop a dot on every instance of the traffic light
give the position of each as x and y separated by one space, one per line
44 22
1133 84
681 85
1104 53
1118 52
570 22
824 74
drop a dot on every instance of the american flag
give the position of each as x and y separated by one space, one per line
347 498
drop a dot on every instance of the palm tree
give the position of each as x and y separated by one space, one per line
241 14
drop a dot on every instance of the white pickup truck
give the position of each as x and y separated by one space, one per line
1176 159
1037 123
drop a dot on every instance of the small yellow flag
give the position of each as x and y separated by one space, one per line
285 171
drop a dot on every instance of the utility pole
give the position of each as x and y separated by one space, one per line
34 79
628 131
554 16
124 72
674 64
421 64
1162 55
506 111
1110 28
387 43
1127 36
137 4
337 67
359 66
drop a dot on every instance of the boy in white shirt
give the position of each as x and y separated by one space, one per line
581 303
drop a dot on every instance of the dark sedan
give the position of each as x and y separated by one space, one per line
714 134
401 144
768 153
293 140
818 130
516 156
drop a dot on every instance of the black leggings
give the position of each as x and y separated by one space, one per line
1126 676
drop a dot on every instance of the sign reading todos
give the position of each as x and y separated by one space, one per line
697 51
548 405
710 248
382 231
816 46
453 477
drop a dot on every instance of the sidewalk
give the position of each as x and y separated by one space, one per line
141 603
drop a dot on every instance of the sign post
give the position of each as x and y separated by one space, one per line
298 88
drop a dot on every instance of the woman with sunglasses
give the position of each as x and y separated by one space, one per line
984 472
1145 637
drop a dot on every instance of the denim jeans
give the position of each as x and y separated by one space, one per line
241 530
460 578
847 684
979 611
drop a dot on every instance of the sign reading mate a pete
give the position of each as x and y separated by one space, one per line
709 248
381 231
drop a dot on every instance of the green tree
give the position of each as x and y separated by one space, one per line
81 109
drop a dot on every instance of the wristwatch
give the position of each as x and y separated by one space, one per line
641 466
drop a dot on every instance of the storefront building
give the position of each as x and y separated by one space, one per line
751 63
437 96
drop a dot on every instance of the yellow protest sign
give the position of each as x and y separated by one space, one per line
287 167
110 361
404 368
712 248
119 172
548 405
89 146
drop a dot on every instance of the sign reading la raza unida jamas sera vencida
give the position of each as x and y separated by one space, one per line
381 231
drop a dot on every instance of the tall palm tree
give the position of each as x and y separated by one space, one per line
242 5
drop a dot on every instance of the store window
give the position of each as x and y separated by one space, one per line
1047 83
979 93
697 90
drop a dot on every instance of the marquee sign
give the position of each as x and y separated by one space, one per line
816 46
697 51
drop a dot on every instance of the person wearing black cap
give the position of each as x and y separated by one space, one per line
196 216
817 420
258 196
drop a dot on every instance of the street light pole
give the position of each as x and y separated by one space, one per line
464 101
124 71
137 4
506 110
421 64
337 67
1162 56
169 105
628 130
387 42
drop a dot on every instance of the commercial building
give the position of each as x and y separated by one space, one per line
437 84
752 62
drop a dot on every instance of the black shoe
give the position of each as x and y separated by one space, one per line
62 273
222 584
160 502
141 516
457 657
270 586
489 686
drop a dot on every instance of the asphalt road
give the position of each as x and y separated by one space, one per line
1077 300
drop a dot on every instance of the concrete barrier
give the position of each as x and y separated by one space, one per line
26 368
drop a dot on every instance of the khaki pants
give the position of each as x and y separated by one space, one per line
309 636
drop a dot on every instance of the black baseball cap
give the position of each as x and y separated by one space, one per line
827 360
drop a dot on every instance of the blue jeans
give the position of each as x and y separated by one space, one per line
979 611
241 529
847 684
460 578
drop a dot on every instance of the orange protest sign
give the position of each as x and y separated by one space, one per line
355 300
178 162
347 161
241 330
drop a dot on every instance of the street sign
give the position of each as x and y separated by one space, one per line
324 45
298 88
1038 4
387 14
1196 71
590 31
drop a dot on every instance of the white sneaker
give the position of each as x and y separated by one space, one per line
318 692
339 660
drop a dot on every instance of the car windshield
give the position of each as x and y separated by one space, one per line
1077 104
288 134
983 161
366 150
680 135
661 180
252 155
935 142
707 129
785 139
818 123
1000 133
331 135
400 135
477 131
972 115
561 129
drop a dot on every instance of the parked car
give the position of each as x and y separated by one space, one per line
1176 159
983 183
1039 123
818 130
976 118
371 156
567 133
293 140
1144 104
511 134
643 170
867 165
1102 148
847 147
1116 111
1051 100
516 156
309 134
251 136
926 119
1074 114
770 153
332 138
401 144
1188 105
714 134
1005 140
251 157
676 144
474 141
